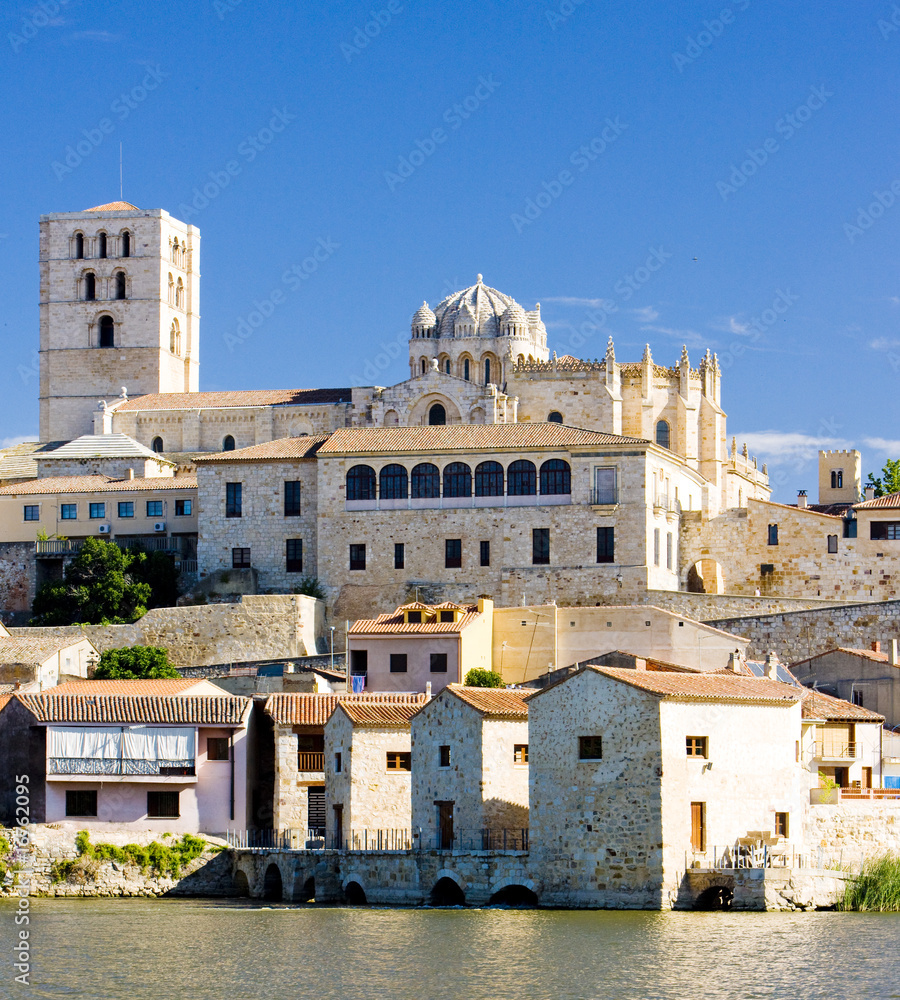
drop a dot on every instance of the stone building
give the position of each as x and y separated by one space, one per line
841 742
34 663
868 678
470 769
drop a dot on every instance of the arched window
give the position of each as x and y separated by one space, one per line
107 332
175 251
120 284
457 480
179 294
171 290
175 338
101 244
555 417
466 369
90 287
361 483
447 366
79 246
662 434
556 478
426 482
228 443
126 244
157 445
489 479
437 415
487 370
422 366
393 482
521 479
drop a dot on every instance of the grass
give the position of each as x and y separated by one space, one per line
876 888
164 859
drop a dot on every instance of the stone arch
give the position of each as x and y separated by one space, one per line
437 414
705 577
354 893
418 413
391 418
308 892
503 883
476 415
241 883
465 367
448 889
715 897
273 885
515 894
491 374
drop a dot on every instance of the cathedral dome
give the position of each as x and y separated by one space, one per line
424 319
486 305
514 320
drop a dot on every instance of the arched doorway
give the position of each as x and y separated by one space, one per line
447 893
705 577
354 894
272 887
519 896
241 884
437 415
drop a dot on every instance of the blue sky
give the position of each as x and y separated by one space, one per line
552 146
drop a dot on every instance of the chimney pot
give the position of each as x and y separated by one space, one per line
801 499
129 473
870 492
772 666
428 690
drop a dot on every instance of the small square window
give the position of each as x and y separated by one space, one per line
446 616
68 511
97 510
217 748
439 663
183 508
520 753
453 553
240 558
154 508
414 617
696 746
398 663
399 555
32 512
590 747
399 760
444 756
81 803
162 805
126 508
359 662
357 557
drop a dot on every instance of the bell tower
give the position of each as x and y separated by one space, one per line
119 306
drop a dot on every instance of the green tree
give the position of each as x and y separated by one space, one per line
478 678
159 571
889 480
135 663
98 588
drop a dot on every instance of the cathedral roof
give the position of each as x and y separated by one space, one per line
102 446
486 304
114 206
281 448
424 316
225 400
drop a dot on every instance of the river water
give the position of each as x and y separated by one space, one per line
201 949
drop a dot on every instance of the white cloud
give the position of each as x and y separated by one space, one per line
690 338
891 448
786 446
11 441
574 300
645 314
883 344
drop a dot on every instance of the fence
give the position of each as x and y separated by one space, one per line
379 840
739 856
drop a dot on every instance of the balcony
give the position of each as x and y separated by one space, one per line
457 503
56 547
310 761
836 751
115 766
604 498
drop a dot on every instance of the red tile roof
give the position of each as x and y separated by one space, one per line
316 709
393 623
159 687
465 437
114 206
498 703
188 709
241 397
889 500
98 484
4 701
387 716
818 705
281 448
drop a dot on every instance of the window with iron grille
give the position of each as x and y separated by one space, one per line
293 561
590 747
81 803
540 546
399 760
233 499
696 746
240 558
453 553
357 557
292 498
163 805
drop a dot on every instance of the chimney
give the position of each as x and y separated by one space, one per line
801 499
640 663
428 691
129 473
289 667
875 646
772 666
891 650
870 492
734 662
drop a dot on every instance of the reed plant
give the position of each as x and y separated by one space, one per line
876 888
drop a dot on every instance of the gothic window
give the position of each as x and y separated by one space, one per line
393 482
179 295
837 479
157 445
107 332
489 479
556 478
175 339
120 284
79 246
521 479
175 251
101 244
422 366
437 415
171 290
457 480
126 244
447 366
361 483
426 482
228 443
466 369
555 417
487 370
90 287
662 434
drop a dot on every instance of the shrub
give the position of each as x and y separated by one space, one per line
164 859
877 887
135 663
310 586
484 679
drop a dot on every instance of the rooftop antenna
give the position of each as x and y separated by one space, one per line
121 197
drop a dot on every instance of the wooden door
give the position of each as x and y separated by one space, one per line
698 826
866 777
445 825
338 826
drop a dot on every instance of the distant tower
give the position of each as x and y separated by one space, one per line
840 476
120 291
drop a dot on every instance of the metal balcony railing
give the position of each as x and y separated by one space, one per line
114 765
836 751
604 498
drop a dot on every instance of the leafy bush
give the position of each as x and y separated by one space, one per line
479 678
877 887
310 586
162 858
135 663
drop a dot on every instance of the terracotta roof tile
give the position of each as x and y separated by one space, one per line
4 700
394 624
27 650
281 448
98 484
226 400
889 500
499 703
465 437
316 709
388 716
114 206
867 654
818 705
160 687
204 710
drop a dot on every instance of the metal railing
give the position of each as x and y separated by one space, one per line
836 751
125 765
738 856
317 839
188 566
884 794
310 761
604 498
72 546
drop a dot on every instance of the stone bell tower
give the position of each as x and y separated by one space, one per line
119 300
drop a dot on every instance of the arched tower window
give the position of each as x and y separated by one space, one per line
101 244
90 287
447 366
175 251
422 366
179 294
466 369
157 445
107 332
228 443
393 482
487 370
361 483
175 338
79 246
126 244
120 284
555 417
426 482
521 479
437 415
171 290
662 434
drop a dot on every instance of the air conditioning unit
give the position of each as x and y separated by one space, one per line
159 526
104 529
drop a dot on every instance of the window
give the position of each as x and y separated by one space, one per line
357 557
556 478
217 748
466 369
669 549
293 560
850 527
439 663
782 827
240 558
338 762
696 746
97 510
447 367
437 415
126 244
292 498
81 803
885 530
415 617
457 480
856 696
179 294
590 747
398 663
520 753
489 479
120 284
79 246
832 543
107 332
68 511
698 826
426 482
126 508
228 443
157 445
773 534
656 546
393 482
662 434
540 547
555 417
234 499
521 479
399 760
446 616
162 805
837 479
359 662
487 370
154 508
361 483
32 512
453 553
485 552
399 555
184 508
171 290
422 366
605 491
90 287
766 569
101 245
606 545
444 756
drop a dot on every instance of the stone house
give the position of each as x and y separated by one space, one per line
866 677
297 735
421 645
34 663
841 742
159 755
470 769
368 774
638 775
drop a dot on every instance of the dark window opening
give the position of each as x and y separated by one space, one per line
398 663
293 562
520 753
453 553
101 245
489 479
426 482
107 332
240 558
555 417
234 500
437 415
90 287
359 662
773 534
361 483
217 748
837 479
662 434
120 284
126 244
885 530
485 550
521 479
393 482
556 478
292 498
399 555
444 756
162 805
81 802
540 546
79 246
357 557
438 663
32 512
832 544
606 545
228 443
157 445
590 747
457 480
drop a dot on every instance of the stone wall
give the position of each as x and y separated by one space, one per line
18 578
846 833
